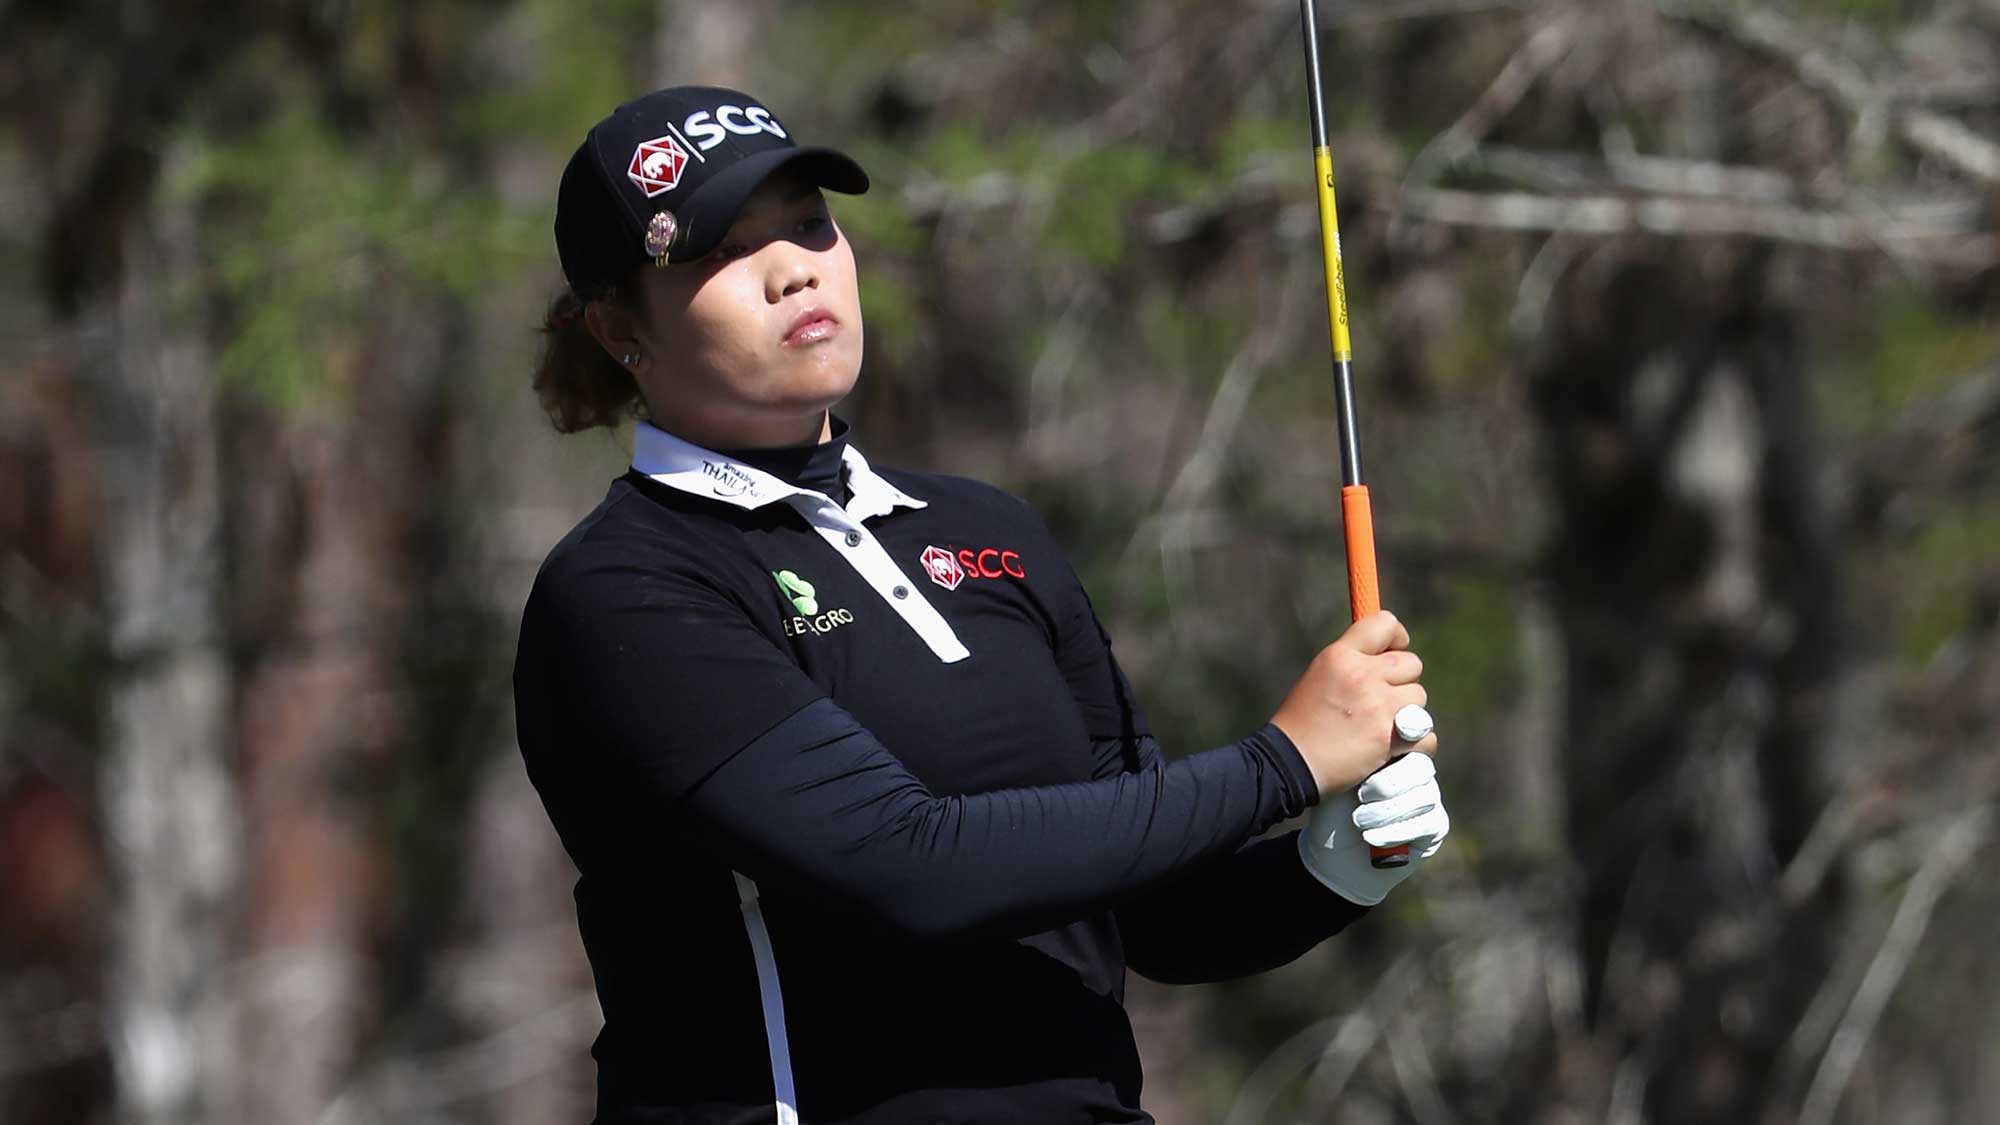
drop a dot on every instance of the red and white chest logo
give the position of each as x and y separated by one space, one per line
948 568
943 568
656 165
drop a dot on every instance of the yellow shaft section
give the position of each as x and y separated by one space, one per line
1329 237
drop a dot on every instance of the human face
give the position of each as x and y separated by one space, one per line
748 347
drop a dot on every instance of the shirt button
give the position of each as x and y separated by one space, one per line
901 591
854 539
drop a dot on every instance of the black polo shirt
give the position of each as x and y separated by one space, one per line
867 822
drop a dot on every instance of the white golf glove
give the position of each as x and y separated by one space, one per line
1398 804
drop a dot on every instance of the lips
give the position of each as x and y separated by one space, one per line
811 327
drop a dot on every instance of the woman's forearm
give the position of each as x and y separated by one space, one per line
819 808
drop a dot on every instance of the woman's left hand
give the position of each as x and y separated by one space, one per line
1400 803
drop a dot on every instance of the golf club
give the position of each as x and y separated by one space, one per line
1358 523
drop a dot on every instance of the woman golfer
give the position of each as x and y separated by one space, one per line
868 823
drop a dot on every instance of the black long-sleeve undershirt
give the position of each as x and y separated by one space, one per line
816 806
1247 912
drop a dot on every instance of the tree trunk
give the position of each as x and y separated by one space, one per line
168 806
1699 609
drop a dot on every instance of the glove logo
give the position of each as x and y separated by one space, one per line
656 165
943 567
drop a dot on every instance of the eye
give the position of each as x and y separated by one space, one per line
813 223
728 251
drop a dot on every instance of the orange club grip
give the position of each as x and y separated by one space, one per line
1364 596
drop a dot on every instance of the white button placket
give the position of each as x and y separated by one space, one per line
871 560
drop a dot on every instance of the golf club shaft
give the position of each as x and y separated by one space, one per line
1364 596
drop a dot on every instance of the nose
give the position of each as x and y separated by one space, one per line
793 269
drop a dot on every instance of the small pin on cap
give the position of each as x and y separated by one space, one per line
660 230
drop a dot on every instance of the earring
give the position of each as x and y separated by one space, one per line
630 358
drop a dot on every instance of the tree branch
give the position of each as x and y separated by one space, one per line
1351 14
1941 865
1544 49
1764 31
1933 234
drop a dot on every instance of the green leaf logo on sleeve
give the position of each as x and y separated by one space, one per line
799 590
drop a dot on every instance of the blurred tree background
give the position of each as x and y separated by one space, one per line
1680 385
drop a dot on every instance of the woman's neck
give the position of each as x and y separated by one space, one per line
817 467
785 434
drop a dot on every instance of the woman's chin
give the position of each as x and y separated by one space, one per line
801 402
823 383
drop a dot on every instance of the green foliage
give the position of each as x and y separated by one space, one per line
1469 623
876 222
1191 341
894 315
1879 14
1104 192
53 668
559 72
1473 352
311 231
1904 345
1938 577
312 227
888 248
1084 202
18 259
1262 144
854 50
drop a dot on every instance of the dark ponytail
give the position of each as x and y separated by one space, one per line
581 387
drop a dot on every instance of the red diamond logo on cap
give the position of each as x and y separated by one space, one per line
943 568
656 165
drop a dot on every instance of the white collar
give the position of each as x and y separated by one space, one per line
687 467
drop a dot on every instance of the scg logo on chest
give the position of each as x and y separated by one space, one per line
949 566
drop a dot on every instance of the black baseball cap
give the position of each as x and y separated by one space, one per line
663 177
